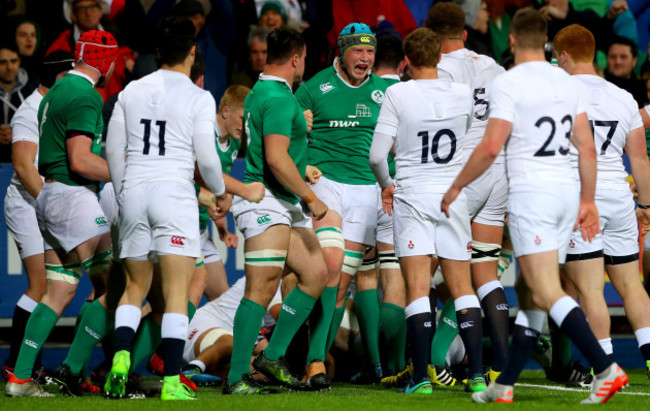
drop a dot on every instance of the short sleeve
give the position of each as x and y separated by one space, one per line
502 100
24 125
87 109
277 117
388 121
206 112
637 121
304 98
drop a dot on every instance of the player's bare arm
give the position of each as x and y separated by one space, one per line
285 170
496 134
23 154
229 239
253 192
635 148
583 140
83 161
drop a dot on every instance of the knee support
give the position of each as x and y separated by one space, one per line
211 337
351 262
98 263
70 273
266 258
388 261
485 252
369 264
330 237
505 258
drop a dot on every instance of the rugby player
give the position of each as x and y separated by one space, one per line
617 128
427 119
70 217
277 231
161 122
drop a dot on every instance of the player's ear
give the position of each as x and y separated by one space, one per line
295 60
511 40
193 51
224 112
464 35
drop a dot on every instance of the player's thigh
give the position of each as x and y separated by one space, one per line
541 273
305 257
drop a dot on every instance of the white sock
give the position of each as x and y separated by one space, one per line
199 364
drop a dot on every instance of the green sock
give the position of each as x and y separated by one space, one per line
334 326
393 324
82 310
295 310
446 331
191 310
561 353
146 340
248 320
318 337
39 326
94 325
366 305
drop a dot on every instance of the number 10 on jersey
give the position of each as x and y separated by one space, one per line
435 143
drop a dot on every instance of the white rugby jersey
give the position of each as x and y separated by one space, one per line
477 72
161 113
225 307
612 113
24 127
541 101
429 119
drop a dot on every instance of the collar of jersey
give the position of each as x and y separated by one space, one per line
266 77
82 75
345 82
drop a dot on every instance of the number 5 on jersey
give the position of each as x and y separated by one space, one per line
147 135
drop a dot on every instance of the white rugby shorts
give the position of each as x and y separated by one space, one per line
357 206
543 220
487 196
254 218
69 215
161 217
619 232
210 252
20 216
421 228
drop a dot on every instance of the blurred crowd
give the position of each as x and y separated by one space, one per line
232 36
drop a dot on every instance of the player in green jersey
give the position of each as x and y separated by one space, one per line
73 223
345 100
277 231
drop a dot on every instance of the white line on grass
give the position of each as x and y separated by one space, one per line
558 388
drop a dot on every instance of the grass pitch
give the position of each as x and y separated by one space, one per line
533 392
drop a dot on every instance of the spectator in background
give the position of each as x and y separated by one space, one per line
247 74
13 92
86 15
28 38
621 59
273 15
477 16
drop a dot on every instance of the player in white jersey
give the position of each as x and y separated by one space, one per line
536 108
160 125
427 119
617 127
209 342
20 203
487 195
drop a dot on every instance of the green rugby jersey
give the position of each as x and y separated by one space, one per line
344 122
71 105
271 108
227 154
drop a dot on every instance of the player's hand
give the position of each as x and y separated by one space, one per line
255 192
318 209
309 118
387 199
448 198
223 204
229 239
587 221
644 219
312 174
5 134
